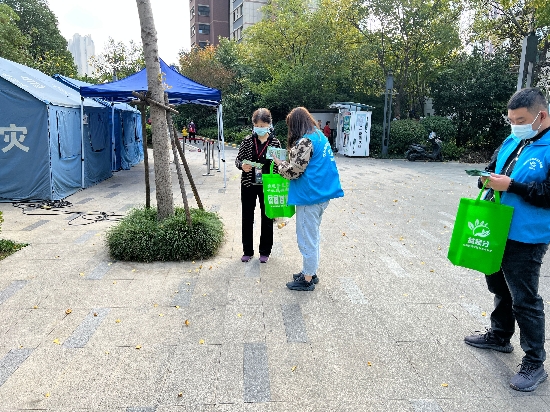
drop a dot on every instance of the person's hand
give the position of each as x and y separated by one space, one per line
246 168
499 182
276 160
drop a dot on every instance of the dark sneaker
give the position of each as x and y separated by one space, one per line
264 259
301 284
314 278
489 340
246 258
528 378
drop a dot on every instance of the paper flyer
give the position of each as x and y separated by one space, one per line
279 153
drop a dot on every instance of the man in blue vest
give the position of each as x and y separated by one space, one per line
520 169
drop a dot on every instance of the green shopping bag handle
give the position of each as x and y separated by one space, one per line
496 192
271 167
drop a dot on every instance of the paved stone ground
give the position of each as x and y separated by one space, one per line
382 331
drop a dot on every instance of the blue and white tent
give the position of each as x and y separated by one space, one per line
124 131
42 140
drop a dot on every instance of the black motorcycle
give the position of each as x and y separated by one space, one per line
419 152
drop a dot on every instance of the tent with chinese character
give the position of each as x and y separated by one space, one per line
44 153
125 130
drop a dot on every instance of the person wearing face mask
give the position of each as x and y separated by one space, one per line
254 148
520 170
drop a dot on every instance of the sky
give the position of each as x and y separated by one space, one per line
119 19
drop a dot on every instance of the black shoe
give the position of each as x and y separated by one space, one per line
314 278
301 284
528 378
489 340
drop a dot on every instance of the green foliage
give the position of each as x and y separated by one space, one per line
404 133
119 58
13 43
375 144
47 47
140 237
442 126
1 220
473 91
149 133
7 247
281 132
451 151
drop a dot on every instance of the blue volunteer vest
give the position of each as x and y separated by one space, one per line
530 224
320 181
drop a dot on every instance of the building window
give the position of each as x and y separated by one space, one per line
238 13
203 44
192 12
192 30
204 10
204 28
237 34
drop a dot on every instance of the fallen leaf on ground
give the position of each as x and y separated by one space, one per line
293 368
138 347
56 341
239 315
444 385
68 311
180 395
483 313
117 321
35 307
161 314
201 342
186 322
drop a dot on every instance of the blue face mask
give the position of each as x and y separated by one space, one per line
525 131
261 131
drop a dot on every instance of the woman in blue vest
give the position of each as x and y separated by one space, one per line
314 180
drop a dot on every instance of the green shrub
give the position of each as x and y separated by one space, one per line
442 126
139 237
1 220
404 133
375 144
281 132
149 134
451 151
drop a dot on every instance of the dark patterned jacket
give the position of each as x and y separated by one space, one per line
247 151
299 157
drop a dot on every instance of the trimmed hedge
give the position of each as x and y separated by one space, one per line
139 237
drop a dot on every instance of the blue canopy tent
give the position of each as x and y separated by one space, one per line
41 137
126 148
180 90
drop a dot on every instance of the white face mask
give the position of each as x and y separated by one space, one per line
525 131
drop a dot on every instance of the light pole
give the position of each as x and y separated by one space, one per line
387 113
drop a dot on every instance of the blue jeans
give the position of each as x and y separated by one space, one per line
308 220
516 289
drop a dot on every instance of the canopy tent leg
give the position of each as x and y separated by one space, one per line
220 135
113 144
82 146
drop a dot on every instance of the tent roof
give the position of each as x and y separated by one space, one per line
40 85
180 89
77 84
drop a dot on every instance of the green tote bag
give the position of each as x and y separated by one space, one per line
276 195
480 233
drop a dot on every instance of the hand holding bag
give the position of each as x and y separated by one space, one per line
276 195
480 233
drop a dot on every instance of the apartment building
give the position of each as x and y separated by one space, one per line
244 13
209 21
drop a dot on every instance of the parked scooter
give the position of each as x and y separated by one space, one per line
418 152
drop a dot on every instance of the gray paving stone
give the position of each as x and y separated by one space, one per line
294 323
11 361
85 237
353 291
425 405
13 288
255 373
36 225
99 271
86 329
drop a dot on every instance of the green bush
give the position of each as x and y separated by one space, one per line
442 126
375 144
139 237
1 221
451 151
404 133
281 132
149 134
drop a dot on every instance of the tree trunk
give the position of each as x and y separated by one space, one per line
145 157
159 127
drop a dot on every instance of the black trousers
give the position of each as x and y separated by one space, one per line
248 203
